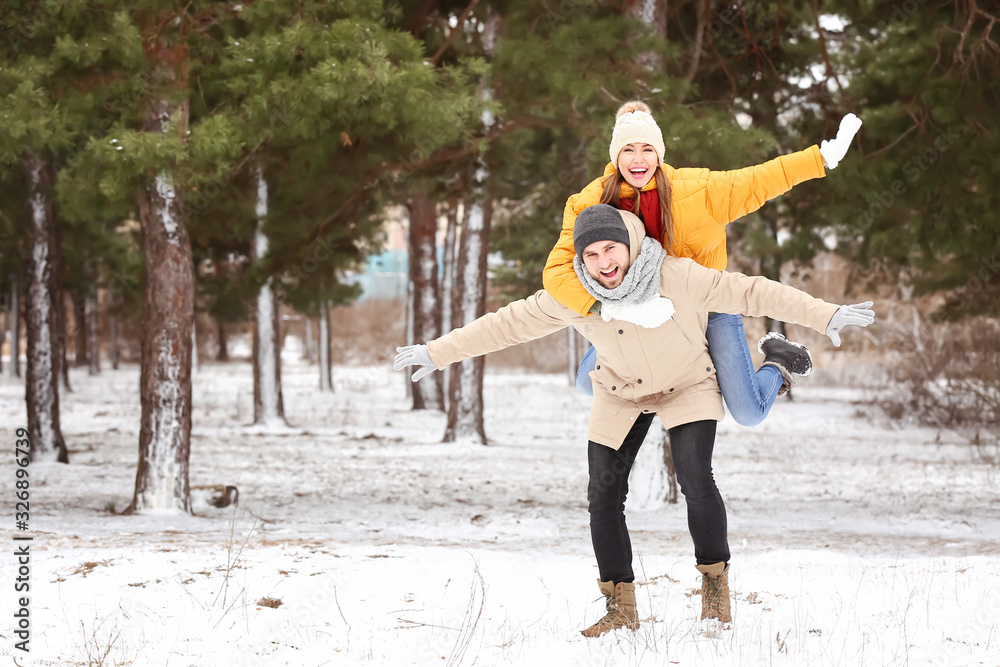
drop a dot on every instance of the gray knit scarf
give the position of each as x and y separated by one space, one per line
641 283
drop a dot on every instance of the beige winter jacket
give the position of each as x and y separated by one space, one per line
666 370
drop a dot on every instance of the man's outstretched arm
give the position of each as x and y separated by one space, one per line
517 322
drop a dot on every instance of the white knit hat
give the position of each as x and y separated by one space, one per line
633 123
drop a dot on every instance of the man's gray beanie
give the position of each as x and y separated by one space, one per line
599 222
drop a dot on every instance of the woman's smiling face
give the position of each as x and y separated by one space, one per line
637 163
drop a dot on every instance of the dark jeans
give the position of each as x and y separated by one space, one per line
692 446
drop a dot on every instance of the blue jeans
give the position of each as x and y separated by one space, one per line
749 394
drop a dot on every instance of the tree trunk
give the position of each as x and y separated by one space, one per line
465 387
447 285
80 331
62 340
310 345
113 333
93 337
93 325
15 341
667 453
325 374
268 406
161 481
424 305
42 383
194 343
4 333
652 13
574 356
220 336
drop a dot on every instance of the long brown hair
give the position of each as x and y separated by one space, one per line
612 192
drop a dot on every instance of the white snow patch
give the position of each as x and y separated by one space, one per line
168 402
165 191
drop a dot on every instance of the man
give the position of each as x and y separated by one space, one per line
652 359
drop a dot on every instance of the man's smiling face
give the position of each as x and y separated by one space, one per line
607 262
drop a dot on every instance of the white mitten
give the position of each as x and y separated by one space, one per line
834 150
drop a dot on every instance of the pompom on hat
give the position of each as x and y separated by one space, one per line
634 122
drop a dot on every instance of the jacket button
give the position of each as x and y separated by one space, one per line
671 389
621 331
708 369
640 380
613 388
598 367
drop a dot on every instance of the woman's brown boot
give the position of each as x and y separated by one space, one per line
715 591
620 603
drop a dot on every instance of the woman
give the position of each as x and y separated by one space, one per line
686 211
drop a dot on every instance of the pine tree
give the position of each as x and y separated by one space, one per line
33 125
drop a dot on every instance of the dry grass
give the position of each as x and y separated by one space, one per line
945 375
272 603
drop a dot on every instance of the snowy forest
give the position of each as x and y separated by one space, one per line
214 462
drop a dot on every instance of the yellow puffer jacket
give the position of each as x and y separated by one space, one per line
703 202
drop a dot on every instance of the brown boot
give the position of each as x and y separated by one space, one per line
715 592
620 603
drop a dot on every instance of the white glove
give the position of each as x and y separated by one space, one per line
834 150
414 355
857 315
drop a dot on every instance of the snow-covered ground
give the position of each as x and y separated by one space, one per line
855 541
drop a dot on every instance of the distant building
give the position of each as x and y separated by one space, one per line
384 276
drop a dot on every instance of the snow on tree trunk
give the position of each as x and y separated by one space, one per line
161 482
268 408
93 336
42 382
325 376
424 307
